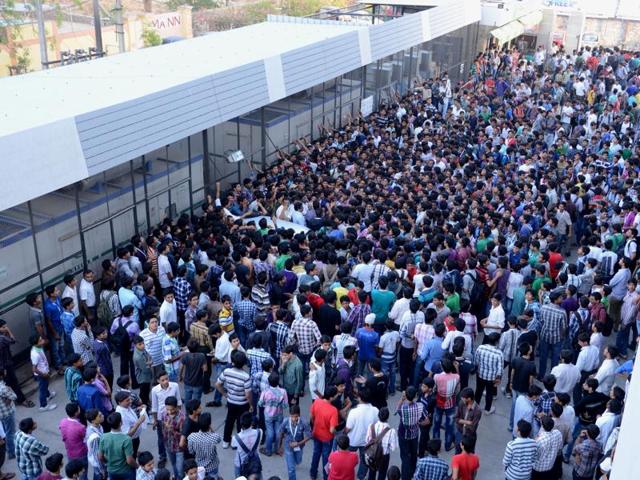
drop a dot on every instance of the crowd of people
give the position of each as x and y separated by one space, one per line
464 241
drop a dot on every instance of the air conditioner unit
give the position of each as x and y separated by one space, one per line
234 156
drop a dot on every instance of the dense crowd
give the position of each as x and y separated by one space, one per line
464 241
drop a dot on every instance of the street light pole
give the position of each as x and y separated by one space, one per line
42 35
97 24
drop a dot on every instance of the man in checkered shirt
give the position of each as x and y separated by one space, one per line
553 319
29 449
181 290
306 335
279 333
430 467
490 362
247 312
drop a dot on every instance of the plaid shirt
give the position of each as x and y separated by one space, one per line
356 317
280 331
587 453
29 451
247 312
535 323
170 349
554 323
256 356
202 445
549 444
182 290
431 468
490 362
7 399
543 405
305 333
410 414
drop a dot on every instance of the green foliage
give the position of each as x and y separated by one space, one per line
257 12
196 4
150 37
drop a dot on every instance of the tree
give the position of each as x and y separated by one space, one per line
150 37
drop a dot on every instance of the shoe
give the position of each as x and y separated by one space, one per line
225 445
51 406
490 412
449 448
51 395
508 395
264 452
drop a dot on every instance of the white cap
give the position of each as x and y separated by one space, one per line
370 319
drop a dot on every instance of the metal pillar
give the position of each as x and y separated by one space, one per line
119 26
97 24
42 35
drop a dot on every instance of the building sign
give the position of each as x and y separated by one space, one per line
167 24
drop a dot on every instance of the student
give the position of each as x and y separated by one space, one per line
172 418
142 364
92 438
116 450
146 466
387 436
520 454
274 400
103 354
131 421
465 465
389 346
247 460
324 418
294 434
40 369
342 462
53 465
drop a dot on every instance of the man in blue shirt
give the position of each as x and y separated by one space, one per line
432 351
368 340
127 297
53 313
89 396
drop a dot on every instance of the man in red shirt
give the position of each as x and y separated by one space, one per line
324 418
465 465
342 462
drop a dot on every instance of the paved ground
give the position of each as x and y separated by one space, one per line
492 438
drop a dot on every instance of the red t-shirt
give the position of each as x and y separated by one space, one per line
325 417
467 464
343 464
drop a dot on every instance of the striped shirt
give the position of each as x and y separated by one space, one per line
153 344
446 389
236 382
519 457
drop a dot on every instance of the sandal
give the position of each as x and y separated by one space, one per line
7 476
28 404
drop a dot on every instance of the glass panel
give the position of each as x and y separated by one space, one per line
124 227
16 312
18 254
98 243
56 224
158 208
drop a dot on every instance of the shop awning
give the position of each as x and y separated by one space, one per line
508 31
532 19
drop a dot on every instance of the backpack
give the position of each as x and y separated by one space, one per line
251 465
373 451
104 313
453 277
477 291
120 338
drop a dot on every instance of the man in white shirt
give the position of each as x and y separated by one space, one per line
168 310
165 273
609 420
587 363
495 321
317 374
606 374
87 295
71 292
566 373
159 394
358 423
401 306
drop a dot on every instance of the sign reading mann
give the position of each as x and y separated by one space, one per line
169 24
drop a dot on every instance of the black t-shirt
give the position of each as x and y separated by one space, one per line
531 338
328 318
522 370
193 373
188 427
377 387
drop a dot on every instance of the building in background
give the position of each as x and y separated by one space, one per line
97 151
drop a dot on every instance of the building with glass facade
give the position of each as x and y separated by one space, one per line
98 151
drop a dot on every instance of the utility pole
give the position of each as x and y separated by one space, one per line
42 36
97 24
119 26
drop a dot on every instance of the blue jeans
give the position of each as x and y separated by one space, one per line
192 392
320 449
622 339
9 424
177 462
408 456
389 369
293 459
418 372
363 470
272 425
43 390
514 397
305 359
123 476
57 350
219 367
546 349
162 452
449 416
